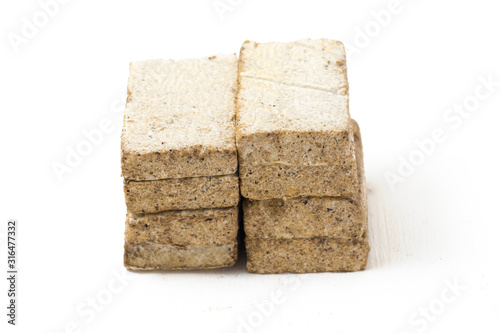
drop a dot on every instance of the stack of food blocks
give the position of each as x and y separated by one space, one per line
179 164
300 159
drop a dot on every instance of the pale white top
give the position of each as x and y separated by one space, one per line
318 64
298 86
267 106
180 104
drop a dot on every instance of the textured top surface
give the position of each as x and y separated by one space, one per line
175 105
292 87
317 64
266 106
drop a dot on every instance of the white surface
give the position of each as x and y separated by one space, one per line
441 224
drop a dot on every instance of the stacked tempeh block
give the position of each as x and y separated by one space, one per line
179 162
300 159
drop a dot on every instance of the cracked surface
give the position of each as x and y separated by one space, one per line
317 64
292 104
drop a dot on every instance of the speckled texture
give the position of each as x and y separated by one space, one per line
306 217
292 104
306 255
181 193
179 119
280 181
276 181
293 125
303 218
315 63
170 257
190 239
188 227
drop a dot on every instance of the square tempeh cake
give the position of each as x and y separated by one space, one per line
306 255
293 132
189 239
182 193
179 119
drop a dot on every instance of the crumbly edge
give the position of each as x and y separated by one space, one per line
182 228
181 193
276 181
284 181
192 162
270 256
294 148
145 257
304 218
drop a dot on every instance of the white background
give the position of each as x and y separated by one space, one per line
438 227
